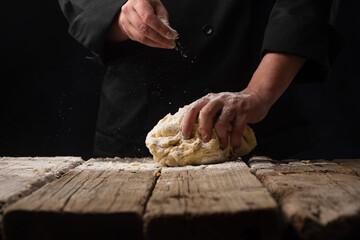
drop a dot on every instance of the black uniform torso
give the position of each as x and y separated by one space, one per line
222 42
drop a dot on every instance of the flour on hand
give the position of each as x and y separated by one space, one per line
169 148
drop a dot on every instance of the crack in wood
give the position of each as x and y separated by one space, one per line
74 192
157 175
210 203
95 188
42 194
316 198
342 187
193 200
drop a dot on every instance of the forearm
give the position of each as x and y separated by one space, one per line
274 74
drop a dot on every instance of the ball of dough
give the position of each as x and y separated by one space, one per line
169 148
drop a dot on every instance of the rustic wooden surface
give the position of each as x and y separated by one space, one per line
136 198
21 176
320 199
353 164
221 201
101 199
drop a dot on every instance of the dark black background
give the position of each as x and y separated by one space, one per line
49 90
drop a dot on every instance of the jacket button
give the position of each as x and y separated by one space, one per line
208 30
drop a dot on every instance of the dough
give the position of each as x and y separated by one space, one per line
169 148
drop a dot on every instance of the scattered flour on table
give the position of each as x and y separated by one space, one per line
169 148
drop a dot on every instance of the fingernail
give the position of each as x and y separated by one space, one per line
172 45
206 138
171 35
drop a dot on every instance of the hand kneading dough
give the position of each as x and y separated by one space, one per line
169 148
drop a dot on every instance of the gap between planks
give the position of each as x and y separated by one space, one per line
189 213
211 202
97 193
92 201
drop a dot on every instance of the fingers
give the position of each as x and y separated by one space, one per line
144 34
163 15
221 126
233 110
149 17
191 115
237 131
134 35
147 23
206 117
160 11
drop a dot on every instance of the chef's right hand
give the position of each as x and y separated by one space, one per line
144 21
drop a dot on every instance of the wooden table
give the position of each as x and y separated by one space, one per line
138 199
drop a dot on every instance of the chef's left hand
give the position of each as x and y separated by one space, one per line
222 110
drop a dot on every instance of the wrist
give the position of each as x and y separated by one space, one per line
262 97
273 76
264 87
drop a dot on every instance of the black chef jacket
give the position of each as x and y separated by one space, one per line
224 41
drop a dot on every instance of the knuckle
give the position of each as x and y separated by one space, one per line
144 29
203 100
125 9
228 110
223 97
220 124
243 104
234 101
147 18
192 109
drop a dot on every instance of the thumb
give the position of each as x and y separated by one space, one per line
162 14
160 10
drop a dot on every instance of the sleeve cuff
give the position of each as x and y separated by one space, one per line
303 37
91 27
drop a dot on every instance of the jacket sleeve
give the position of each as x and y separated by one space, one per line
90 21
301 28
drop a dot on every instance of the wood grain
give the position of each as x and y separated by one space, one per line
21 176
221 201
319 198
353 164
102 199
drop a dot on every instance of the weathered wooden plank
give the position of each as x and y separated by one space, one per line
21 176
101 199
221 201
319 198
353 164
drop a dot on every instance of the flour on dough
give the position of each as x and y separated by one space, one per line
169 148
